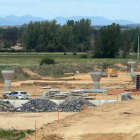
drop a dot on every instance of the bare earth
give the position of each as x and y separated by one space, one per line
116 121
24 121
77 81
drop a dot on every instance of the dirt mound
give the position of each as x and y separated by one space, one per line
121 66
111 136
108 122
32 74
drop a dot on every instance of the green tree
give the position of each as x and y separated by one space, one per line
65 37
126 45
108 44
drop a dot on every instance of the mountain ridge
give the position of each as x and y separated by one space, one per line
96 20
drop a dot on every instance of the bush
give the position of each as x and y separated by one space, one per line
65 53
74 53
30 131
92 56
47 61
83 56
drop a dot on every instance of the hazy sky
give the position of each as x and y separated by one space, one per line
48 9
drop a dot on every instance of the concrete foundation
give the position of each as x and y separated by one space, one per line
126 96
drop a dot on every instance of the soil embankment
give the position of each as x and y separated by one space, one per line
117 121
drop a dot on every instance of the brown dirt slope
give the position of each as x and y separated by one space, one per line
116 121
111 136
32 74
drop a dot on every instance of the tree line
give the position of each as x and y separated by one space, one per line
48 36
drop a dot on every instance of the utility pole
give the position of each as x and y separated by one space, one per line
138 46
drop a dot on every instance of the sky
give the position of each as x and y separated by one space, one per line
49 9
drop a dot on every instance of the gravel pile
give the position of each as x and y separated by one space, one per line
6 107
38 105
74 104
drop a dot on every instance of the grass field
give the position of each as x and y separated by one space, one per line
29 59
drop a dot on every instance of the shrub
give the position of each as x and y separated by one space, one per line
47 61
74 53
83 56
30 131
65 53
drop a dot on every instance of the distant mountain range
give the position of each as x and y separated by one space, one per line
14 20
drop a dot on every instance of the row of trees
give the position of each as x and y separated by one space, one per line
50 36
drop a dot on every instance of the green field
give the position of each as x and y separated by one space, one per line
64 64
30 59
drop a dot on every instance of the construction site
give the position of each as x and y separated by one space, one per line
99 105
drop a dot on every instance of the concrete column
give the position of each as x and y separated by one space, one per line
96 77
7 75
96 85
133 76
7 85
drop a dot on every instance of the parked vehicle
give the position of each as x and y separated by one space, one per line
18 95
6 94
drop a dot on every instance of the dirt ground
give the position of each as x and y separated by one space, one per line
24 121
115 121
78 81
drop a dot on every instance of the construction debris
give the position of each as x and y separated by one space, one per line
6 106
51 93
105 74
48 87
38 105
54 87
74 104
85 87
60 96
76 92
71 87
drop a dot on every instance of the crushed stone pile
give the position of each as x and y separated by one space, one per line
38 105
74 104
6 106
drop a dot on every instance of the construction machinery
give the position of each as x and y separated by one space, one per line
112 72
105 74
